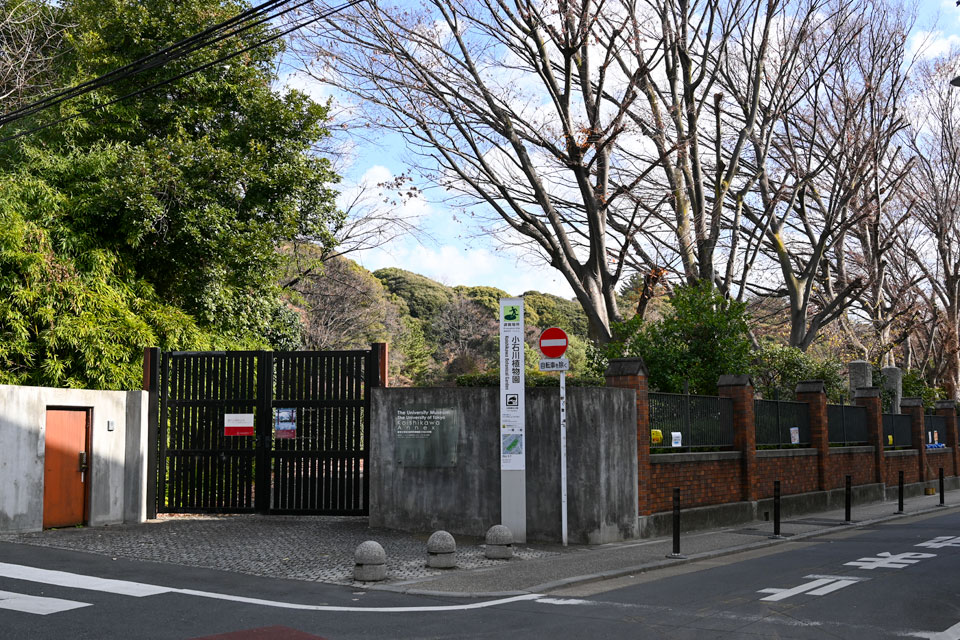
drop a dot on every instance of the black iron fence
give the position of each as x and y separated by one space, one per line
847 424
701 421
782 423
896 430
936 429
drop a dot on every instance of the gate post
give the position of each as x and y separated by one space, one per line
739 388
631 373
151 384
264 438
869 399
381 354
814 394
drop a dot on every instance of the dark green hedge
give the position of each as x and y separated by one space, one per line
532 380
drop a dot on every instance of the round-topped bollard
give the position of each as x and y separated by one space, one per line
441 551
499 543
371 562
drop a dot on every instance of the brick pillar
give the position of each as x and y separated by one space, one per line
913 407
383 361
948 409
869 398
814 394
631 373
740 390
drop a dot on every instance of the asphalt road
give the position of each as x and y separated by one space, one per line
807 589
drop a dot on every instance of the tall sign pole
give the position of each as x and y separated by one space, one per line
553 344
563 454
513 474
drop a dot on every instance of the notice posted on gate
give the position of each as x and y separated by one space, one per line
238 424
427 436
512 383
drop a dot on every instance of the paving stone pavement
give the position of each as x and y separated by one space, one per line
317 548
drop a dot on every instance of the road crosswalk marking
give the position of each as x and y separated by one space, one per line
79 581
818 586
36 604
140 589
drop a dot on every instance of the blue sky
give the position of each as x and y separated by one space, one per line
454 249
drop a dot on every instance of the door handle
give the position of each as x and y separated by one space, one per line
83 461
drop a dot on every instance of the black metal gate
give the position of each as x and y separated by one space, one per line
320 467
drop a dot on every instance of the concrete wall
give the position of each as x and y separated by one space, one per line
465 498
117 484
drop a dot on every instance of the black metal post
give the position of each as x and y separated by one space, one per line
900 499
848 494
776 509
151 384
676 524
942 503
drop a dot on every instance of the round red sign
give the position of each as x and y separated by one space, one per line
553 342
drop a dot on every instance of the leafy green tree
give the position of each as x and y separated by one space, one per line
411 354
425 298
915 386
777 369
701 337
182 195
547 310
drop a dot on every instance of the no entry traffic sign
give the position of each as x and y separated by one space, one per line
553 342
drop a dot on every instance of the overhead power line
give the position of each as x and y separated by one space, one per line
243 22
158 58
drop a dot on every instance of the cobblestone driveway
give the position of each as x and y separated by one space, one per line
318 548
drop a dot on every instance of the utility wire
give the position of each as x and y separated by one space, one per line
150 61
193 70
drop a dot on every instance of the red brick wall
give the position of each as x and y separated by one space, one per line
937 458
701 483
858 465
796 474
907 464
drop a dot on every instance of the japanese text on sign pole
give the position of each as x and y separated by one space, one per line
513 483
553 344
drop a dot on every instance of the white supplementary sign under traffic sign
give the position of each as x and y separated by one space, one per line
554 364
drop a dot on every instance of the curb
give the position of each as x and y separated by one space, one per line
546 587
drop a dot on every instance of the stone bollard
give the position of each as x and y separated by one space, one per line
499 543
441 551
371 562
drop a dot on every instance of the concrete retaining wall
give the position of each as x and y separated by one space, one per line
117 485
464 496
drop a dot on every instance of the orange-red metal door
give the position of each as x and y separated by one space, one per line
65 471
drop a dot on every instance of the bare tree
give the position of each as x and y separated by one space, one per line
343 307
518 106
30 38
831 163
935 187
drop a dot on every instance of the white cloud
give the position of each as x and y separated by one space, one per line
459 265
931 44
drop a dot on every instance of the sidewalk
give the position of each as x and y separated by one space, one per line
321 549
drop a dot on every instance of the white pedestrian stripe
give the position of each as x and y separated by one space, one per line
940 542
886 560
78 581
36 604
139 590
819 586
